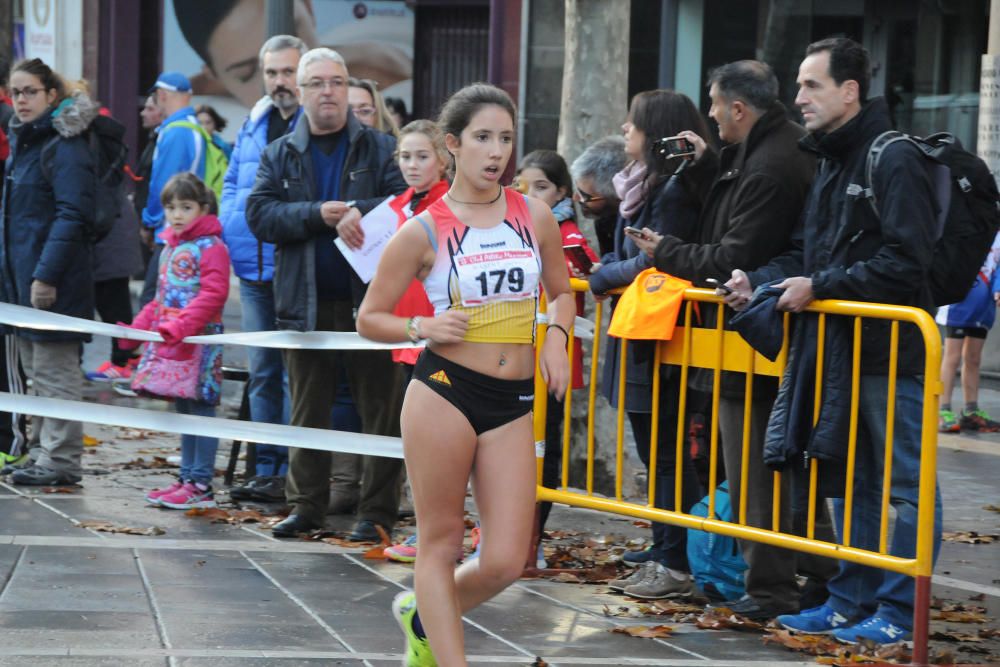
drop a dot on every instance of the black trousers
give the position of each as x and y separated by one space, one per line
114 304
377 390
669 542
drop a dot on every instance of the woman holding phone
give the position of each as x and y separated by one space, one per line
655 195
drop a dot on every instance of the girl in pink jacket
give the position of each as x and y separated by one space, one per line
191 291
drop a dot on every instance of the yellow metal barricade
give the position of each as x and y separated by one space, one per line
720 350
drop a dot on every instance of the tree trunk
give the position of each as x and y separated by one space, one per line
594 105
595 73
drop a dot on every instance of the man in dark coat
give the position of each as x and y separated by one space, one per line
753 196
313 185
849 252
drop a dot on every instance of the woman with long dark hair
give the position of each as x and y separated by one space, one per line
45 255
654 194
481 251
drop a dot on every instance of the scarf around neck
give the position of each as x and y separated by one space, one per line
630 187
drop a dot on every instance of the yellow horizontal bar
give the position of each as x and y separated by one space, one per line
907 566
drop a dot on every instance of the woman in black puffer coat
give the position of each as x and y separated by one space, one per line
45 251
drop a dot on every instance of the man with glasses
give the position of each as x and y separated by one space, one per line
313 185
593 188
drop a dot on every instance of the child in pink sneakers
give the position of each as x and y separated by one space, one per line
191 291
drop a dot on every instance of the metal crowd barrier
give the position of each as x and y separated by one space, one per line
718 350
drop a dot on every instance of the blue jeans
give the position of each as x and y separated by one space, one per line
268 384
859 591
197 451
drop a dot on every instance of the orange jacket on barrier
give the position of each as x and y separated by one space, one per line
648 309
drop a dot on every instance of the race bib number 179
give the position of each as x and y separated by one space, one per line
504 275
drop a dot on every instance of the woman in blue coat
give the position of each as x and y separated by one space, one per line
45 252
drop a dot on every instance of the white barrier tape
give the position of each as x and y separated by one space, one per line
216 427
31 318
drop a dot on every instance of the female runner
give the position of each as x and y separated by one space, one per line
480 251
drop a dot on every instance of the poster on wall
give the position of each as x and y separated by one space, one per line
216 45
40 30
988 145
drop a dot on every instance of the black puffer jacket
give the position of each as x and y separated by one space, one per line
45 223
282 209
851 254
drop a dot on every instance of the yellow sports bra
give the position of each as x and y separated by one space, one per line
491 274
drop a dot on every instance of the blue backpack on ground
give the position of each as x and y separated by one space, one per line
715 560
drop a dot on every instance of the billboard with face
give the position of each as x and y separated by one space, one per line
216 44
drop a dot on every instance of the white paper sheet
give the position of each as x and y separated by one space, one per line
378 225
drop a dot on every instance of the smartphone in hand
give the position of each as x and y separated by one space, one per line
632 231
579 257
725 289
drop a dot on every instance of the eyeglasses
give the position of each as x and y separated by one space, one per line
27 93
363 111
586 198
319 84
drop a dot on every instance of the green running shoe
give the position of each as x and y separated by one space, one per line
948 422
11 462
418 651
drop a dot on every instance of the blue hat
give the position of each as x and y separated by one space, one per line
174 81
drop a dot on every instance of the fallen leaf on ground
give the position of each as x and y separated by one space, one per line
142 464
376 553
959 617
60 489
663 607
107 527
969 537
646 631
90 441
539 662
622 611
812 644
567 578
642 524
977 598
991 508
561 534
722 618
233 517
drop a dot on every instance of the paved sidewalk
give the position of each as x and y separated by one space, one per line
216 594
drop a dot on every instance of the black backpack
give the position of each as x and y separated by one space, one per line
969 209
106 139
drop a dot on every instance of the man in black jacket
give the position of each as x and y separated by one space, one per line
313 186
849 252
753 196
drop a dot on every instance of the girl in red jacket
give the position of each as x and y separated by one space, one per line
423 159
543 174
191 291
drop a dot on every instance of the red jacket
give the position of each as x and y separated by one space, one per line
4 144
414 300
188 298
